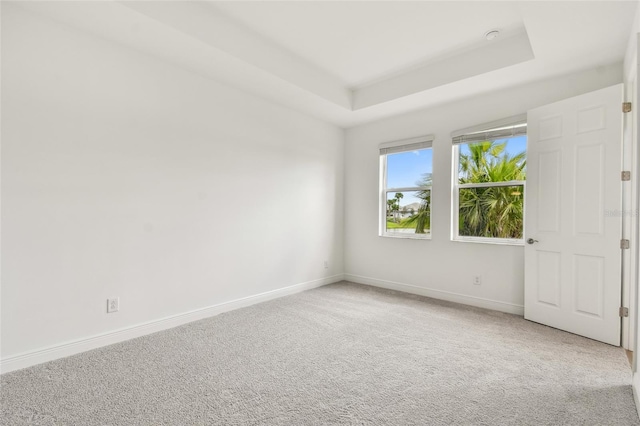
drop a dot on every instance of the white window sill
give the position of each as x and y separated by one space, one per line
495 241
407 236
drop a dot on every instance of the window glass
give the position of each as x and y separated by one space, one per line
492 161
491 212
407 169
484 209
409 212
405 208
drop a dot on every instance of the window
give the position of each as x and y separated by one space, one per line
405 188
489 182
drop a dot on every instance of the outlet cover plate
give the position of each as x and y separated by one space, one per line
113 305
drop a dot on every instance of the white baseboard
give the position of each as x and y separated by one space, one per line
480 302
51 353
635 385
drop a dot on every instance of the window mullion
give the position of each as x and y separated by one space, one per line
491 184
383 194
456 193
408 189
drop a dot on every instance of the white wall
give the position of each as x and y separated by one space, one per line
440 267
126 176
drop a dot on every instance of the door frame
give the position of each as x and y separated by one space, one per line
630 212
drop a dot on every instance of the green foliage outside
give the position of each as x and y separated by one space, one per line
400 225
393 207
419 220
422 218
494 212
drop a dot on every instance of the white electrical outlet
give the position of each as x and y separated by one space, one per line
113 305
477 280
326 264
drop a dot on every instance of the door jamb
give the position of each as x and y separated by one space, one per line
629 214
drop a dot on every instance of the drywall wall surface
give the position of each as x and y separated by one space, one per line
124 176
441 267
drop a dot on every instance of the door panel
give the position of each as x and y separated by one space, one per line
550 165
572 270
587 201
588 284
548 284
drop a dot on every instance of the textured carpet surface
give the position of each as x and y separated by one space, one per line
340 354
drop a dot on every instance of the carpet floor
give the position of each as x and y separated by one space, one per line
339 354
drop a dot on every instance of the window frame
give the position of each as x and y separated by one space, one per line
404 145
456 187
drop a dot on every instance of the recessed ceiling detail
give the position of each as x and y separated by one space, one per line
490 57
353 62
220 32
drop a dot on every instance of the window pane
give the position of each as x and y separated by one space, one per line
494 212
409 212
493 161
411 168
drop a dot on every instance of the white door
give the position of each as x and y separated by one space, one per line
573 220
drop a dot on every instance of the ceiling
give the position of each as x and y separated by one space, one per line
361 42
349 63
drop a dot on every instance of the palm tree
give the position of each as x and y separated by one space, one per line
492 211
399 196
422 218
391 207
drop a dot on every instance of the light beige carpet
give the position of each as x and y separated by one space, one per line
340 354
